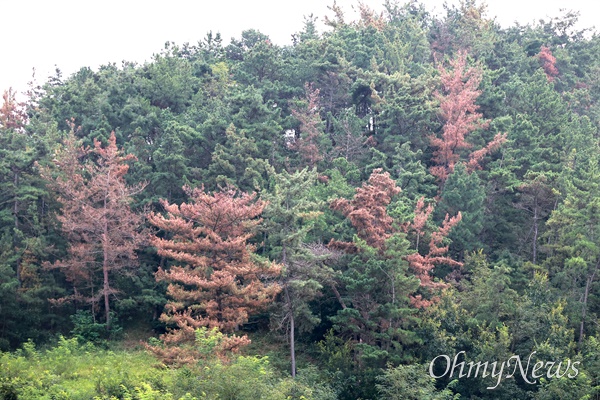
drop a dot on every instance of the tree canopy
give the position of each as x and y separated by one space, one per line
352 205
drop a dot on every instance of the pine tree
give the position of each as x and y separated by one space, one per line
574 258
412 175
423 265
382 280
237 162
218 281
375 282
465 194
309 145
460 116
24 227
12 113
96 219
367 211
548 63
537 198
290 214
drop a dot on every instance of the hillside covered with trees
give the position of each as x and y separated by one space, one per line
313 221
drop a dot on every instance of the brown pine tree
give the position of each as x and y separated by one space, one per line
460 116
310 127
386 277
423 265
548 63
218 283
12 113
368 210
102 230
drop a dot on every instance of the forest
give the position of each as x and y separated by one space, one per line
368 212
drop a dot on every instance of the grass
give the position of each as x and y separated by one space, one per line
74 371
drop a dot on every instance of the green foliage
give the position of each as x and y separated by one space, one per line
217 113
464 193
385 321
238 162
26 230
336 355
87 329
77 372
410 382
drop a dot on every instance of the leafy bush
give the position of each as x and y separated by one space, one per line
410 382
86 329
81 371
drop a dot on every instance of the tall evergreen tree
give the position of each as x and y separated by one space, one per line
465 194
574 258
219 282
460 116
290 213
25 227
237 162
102 230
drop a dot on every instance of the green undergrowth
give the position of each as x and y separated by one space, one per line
74 371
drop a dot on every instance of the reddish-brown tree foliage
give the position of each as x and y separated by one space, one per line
310 127
102 230
421 217
476 157
369 18
423 265
548 62
460 116
218 282
367 211
12 113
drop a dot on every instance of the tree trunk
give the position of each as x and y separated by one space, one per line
106 286
105 245
292 345
338 296
15 234
292 331
588 284
16 200
290 308
535 233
